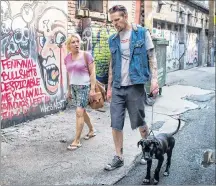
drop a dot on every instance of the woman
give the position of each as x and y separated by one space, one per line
81 86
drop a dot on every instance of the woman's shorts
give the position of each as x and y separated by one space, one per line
80 95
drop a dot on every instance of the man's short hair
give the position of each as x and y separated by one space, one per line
118 8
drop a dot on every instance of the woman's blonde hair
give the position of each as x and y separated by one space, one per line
74 35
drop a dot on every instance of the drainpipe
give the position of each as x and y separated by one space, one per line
211 33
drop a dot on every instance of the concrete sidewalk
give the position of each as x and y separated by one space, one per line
32 154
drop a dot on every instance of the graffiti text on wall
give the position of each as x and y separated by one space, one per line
20 87
32 51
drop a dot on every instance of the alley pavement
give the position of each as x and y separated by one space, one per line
197 137
35 153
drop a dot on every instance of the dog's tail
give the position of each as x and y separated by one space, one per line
179 124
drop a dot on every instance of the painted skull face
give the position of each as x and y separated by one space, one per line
12 48
52 27
21 36
87 38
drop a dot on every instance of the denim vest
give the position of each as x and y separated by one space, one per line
139 70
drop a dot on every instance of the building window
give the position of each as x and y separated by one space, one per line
159 25
189 19
93 5
154 24
162 25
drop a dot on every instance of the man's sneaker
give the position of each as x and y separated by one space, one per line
143 161
116 162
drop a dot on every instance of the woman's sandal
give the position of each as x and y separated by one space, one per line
88 136
146 182
74 147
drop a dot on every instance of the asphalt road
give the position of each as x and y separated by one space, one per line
197 136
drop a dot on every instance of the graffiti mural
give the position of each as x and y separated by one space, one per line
87 39
95 40
173 50
52 33
176 51
173 54
192 50
33 78
100 50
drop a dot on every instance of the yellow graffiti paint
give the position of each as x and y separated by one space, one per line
214 20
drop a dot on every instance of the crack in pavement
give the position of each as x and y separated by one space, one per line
64 164
200 98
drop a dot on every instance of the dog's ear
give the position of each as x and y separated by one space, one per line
156 142
139 143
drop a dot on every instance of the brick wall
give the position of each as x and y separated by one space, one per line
74 24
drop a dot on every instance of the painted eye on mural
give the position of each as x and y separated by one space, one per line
60 38
52 41
18 35
26 34
42 41
12 47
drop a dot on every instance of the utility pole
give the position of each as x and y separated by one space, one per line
215 34
211 33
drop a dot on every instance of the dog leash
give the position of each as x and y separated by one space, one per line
152 121
152 118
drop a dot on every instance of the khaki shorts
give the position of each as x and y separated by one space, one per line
131 98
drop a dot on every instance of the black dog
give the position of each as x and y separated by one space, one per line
154 147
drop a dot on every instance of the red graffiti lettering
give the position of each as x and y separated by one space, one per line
35 92
6 97
21 74
17 85
17 63
36 101
47 99
14 105
20 87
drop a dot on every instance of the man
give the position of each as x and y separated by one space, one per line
133 58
